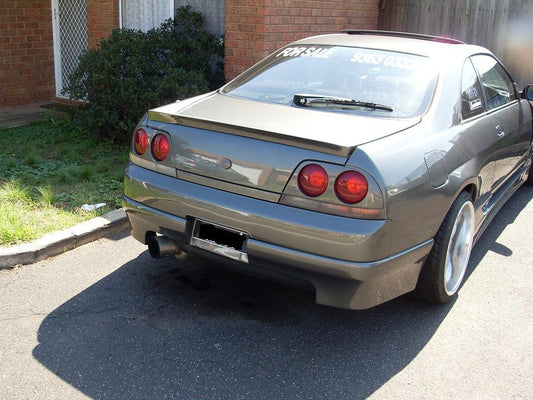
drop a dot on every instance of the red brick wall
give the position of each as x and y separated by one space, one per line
102 18
255 28
27 49
26 52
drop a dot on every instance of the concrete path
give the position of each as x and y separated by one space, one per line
13 116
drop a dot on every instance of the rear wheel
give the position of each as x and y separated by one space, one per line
446 265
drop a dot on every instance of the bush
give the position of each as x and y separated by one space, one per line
132 71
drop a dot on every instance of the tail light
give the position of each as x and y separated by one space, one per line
313 180
160 147
140 141
335 189
351 187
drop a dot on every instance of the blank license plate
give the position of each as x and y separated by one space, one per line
220 240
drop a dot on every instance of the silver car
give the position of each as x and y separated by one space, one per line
364 165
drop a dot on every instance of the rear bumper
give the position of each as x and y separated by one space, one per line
333 254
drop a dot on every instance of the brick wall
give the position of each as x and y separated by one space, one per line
255 28
102 18
26 52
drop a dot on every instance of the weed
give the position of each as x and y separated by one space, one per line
86 172
47 194
102 166
13 228
64 177
30 160
13 193
64 198
10 163
44 182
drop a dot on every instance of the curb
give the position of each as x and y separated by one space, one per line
59 242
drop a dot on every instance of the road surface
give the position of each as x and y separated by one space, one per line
105 321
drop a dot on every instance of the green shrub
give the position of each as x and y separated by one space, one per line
132 71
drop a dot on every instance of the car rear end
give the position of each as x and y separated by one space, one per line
264 185
267 208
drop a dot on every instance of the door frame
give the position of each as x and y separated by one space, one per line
57 48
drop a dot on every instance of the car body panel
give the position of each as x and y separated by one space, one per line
276 123
271 222
284 243
511 127
237 159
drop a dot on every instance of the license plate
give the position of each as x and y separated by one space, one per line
220 240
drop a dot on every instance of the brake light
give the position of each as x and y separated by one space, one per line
140 141
351 187
160 147
313 180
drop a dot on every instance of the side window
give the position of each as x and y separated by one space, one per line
497 86
471 97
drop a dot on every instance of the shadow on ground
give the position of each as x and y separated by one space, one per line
193 331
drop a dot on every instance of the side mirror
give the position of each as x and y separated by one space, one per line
528 92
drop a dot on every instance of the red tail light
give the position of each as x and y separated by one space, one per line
313 180
140 141
160 147
351 187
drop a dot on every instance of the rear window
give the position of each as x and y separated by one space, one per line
401 82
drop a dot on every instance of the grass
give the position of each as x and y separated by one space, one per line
48 171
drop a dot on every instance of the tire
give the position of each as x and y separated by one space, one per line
444 270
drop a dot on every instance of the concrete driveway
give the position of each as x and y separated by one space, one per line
104 321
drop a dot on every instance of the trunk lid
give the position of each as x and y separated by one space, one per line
258 145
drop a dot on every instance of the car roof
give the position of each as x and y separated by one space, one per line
428 46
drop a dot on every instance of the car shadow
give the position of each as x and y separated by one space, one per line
191 330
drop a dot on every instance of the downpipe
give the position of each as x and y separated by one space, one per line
162 246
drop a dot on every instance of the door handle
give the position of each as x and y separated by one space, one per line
500 131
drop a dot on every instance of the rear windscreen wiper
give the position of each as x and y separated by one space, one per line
310 100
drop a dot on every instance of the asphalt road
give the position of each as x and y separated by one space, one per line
104 321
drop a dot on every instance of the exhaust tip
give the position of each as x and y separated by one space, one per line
162 246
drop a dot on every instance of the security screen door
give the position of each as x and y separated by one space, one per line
70 38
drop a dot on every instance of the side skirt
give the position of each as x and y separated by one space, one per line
500 197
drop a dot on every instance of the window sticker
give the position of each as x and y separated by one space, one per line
315 52
368 58
472 93
475 104
391 61
375 58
